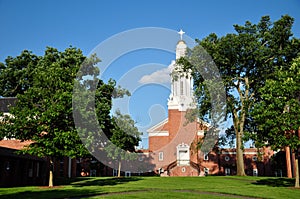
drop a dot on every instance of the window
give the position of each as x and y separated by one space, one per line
161 156
200 133
115 172
205 157
227 171
183 169
127 173
7 166
206 171
181 87
30 170
141 158
255 172
184 158
227 158
37 169
183 154
93 173
254 158
61 167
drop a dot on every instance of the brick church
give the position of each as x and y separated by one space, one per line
172 142
172 147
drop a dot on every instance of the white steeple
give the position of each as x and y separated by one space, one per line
182 96
181 46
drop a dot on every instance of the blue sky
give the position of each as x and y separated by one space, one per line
35 24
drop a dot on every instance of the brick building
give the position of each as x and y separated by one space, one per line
172 142
22 170
17 169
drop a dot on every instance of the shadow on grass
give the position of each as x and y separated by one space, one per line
103 182
94 181
67 188
276 182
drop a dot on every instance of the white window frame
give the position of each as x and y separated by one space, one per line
115 172
141 158
161 156
255 172
205 156
227 158
181 88
183 154
227 171
206 171
254 158
127 173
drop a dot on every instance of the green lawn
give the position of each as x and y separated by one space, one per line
161 187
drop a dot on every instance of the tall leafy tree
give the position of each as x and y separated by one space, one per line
125 137
278 114
245 60
16 74
109 138
47 105
43 112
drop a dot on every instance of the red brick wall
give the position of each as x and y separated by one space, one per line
183 171
180 132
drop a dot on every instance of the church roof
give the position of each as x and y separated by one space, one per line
158 126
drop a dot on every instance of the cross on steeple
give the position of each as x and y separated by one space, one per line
181 33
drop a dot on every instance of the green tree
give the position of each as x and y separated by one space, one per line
43 112
16 74
244 59
279 111
125 137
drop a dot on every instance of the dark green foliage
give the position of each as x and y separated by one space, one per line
43 112
278 115
245 60
125 137
16 74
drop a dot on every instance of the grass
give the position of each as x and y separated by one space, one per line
168 187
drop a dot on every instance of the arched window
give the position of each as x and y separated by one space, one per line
181 87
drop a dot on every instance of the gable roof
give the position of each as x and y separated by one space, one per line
158 126
6 102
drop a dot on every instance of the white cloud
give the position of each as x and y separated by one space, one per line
159 76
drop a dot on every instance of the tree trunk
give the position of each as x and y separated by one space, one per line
238 123
51 173
297 171
297 163
288 162
239 156
293 164
119 169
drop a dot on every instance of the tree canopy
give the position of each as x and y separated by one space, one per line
245 60
278 114
44 112
125 137
16 74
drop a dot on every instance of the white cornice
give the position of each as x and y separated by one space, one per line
155 127
158 133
